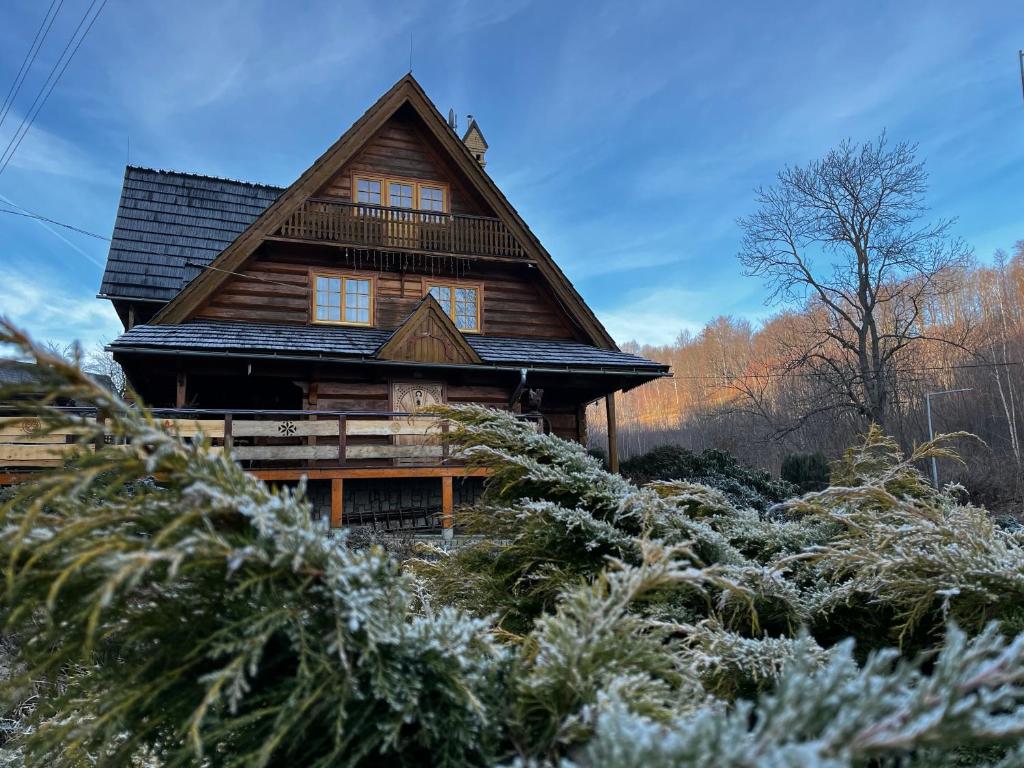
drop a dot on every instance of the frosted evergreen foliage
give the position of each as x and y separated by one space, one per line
165 608
837 716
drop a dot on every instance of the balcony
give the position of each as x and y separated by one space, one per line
400 229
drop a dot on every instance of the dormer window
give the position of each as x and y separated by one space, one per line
342 299
460 302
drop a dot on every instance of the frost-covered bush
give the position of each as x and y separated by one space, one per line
806 471
172 610
838 715
206 617
744 486
915 555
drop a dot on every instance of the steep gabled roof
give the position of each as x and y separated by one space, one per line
431 324
170 225
405 91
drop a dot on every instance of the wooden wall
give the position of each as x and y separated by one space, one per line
275 288
330 392
403 149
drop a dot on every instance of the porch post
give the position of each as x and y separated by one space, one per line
337 501
447 503
613 438
179 392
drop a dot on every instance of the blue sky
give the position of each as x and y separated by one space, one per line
629 135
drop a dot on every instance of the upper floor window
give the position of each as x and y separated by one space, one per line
431 198
401 193
341 299
368 191
461 303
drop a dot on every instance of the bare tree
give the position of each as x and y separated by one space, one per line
847 232
101 362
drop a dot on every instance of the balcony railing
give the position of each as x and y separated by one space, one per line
265 439
402 229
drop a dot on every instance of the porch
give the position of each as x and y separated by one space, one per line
325 448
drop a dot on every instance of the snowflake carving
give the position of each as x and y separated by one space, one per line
286 428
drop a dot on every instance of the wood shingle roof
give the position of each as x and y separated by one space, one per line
333 342
170 225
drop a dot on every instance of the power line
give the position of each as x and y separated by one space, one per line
724 377
48 86
30 215
29 60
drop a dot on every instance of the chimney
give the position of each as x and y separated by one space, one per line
475 141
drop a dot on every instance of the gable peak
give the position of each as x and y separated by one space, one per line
428 335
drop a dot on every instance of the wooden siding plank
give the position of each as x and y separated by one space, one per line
399 426
212 428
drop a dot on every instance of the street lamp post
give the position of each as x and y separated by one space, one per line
931 435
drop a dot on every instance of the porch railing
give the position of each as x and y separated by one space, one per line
261 439
374 226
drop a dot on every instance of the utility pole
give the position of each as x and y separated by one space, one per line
931 434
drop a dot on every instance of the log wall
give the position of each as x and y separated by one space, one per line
275 288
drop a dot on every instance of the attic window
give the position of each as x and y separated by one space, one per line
342 300
368 191
401 193
461 303
431 198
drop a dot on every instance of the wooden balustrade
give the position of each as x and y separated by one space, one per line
305 437
401 229
24 445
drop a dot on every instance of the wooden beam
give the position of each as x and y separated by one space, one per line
613 437
337 501
367 473
512 260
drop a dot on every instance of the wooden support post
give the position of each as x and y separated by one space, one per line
101 437
581 425
447 503
342 437
179 395
229 441
613 437
337 501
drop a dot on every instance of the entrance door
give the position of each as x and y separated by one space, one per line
416 432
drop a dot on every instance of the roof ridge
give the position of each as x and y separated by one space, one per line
208 177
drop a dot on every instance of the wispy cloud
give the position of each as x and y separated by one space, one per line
39 304
655 318
43 151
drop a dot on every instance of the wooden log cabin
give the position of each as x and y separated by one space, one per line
305 326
